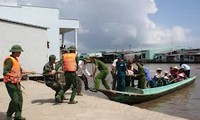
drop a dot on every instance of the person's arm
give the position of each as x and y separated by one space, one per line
95 69
86 70
7 67
58 65
77 59
28 72
113 66
47 70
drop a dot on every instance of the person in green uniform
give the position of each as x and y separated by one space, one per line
121 73
12 73
141 75
49 73
70 66
101 75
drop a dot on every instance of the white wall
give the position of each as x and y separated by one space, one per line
46 17
32 40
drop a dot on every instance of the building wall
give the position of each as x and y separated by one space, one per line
46 17
33 42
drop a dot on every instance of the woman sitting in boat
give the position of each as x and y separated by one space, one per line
181 76
167 78
158 77
174 72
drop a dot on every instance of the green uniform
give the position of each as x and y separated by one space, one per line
70 79
50 80
142 77
102 74
15 93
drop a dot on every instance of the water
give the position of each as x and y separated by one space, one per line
183 103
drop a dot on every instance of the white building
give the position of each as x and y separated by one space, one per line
38 30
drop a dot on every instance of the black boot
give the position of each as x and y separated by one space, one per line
19 118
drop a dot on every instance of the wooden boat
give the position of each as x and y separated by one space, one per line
135 95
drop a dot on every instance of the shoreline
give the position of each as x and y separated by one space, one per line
39 105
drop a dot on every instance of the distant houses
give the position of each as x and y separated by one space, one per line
154 55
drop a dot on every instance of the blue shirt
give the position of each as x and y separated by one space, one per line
147 73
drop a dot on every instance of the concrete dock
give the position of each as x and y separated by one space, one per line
39 105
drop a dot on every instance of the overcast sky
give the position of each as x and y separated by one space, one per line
128 24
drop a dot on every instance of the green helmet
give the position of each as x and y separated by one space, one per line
118 56
52 57
86 58
64 50
72 48
16 48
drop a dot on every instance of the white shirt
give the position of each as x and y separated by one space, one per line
82 68
114 63
185 67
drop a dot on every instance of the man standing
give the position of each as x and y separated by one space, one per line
121 73
12 73
49 74
186 69
150 83
141 76
102 74
70 66
113 72
81 70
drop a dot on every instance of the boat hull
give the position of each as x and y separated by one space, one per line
135 96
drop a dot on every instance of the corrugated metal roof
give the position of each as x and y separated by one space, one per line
21 23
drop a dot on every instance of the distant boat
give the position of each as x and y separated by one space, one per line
135 95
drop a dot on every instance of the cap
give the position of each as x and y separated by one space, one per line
159 69
176 67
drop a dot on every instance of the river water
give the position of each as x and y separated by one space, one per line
183 103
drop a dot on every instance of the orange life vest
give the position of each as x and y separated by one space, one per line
15 70
69 60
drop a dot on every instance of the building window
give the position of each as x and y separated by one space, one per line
143 56
48 44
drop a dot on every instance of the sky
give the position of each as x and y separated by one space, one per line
120 25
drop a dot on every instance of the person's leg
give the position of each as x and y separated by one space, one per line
85 80
132 82
55 85
67 85
187 73
103 78
79 87
19 108
127 83
114 81
74 79
118 84
123 85
11 88
97 81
